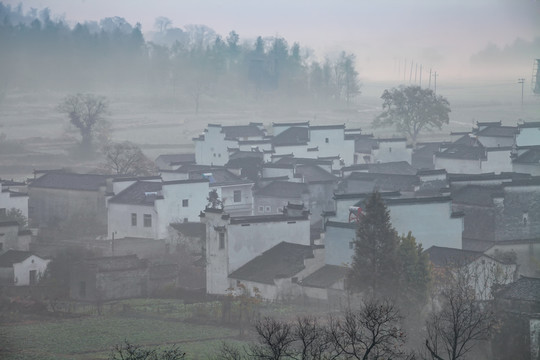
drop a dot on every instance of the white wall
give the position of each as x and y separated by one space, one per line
528 136
9 201
336 145
498 160
431 223
22 269
458 166
390 151
119 221
213 149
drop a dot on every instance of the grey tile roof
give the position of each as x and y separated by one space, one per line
282 261
283 189
463 152
530 124
11 257
302 161
70 181
136 194
176 158
364 143
524 289
191 229
476 195
325 276
383 182
314 174
292 136
240 131
218 176
498 131
531 156
395 167
443 256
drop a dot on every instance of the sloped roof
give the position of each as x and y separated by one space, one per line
292 136
463 152
364 143
218 176
191 229
282 261
325 276
302 161
136 193
384 182
11 257
525 289
239 131
314 174
531 156
176 158
444 256
283 189
394 167
476 195
70 181
498 131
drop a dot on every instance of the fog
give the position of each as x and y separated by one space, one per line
269 179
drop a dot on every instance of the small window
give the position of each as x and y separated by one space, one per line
1 246
326 140
351 245
214 154
186 220
237 195
389 149
219 155
133 219
185 203
261 208
221 240
147 220
525 219
267 209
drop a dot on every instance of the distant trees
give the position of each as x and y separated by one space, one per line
14 214
85 112
126 158
412 109
214 201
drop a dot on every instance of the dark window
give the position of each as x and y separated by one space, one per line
390 149
82 289
237 195
147 220
33 277
185 203
351 245
222 240
133 219
326 140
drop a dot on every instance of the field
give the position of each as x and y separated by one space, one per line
40 137
92 336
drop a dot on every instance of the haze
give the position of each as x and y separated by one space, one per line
461 39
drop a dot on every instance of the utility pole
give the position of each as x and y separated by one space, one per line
404 69
429 86
410 75
415 72
521 81
420 75
435 81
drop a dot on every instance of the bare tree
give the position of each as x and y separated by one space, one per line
462 321
127 158
372 332
85 111
129 351
276 338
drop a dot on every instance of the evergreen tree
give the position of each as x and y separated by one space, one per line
415 270
375 263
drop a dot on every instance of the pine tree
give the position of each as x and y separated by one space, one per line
415 274
376 262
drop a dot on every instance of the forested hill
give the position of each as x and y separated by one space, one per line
42 52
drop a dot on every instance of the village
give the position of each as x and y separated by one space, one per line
273 212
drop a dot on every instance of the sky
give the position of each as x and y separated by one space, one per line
385 35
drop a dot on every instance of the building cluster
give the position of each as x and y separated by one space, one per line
276 210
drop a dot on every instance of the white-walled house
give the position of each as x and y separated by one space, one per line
12 199
480 270
146 208
462 159
13 237
234 192
231 242
430 219
392 150
21 267
212 147
528 134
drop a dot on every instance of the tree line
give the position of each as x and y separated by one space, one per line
42 52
